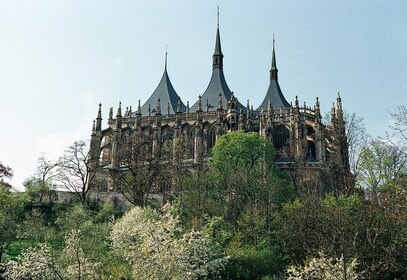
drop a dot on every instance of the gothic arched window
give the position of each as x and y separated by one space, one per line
211 137
281 136
105 156
311 152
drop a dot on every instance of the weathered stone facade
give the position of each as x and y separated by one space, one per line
297 131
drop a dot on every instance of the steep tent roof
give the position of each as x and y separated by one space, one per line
217 84
167 95
274 93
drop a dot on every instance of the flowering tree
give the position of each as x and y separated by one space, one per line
35 263
40 262
156 249
325 268
78 266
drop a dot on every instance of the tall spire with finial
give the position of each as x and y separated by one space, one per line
199 104
158 109
99 118
218 16
119 117
138 108
166 55
217 55
119 110
273 70
164 91
220 107
217 84
179 105
274 92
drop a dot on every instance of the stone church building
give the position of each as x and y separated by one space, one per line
302 140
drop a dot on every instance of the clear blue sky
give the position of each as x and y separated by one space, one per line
59 59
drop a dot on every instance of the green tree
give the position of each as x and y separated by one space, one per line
246 179
244 187
345 227
11 209
5 171
381 167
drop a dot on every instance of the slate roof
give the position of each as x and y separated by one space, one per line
217 84
167 94
274 92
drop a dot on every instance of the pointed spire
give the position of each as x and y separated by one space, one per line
119 110
119 117
339 103
333 113
199 104
274 91
218 16
217 55
179 105
273 70
317 111
99 119
111 113
166 55
241 119
220 106
138 108
165 92
100 111
188 107
270 106
158 110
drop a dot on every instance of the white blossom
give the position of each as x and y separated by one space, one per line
36 262
156 249
325 268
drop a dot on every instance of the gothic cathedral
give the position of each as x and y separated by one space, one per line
302 141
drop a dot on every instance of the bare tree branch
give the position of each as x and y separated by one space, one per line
75 171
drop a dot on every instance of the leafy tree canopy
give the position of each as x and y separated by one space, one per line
240 148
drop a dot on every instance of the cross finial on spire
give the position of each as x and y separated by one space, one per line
274 39
166 54
218 16
273 70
